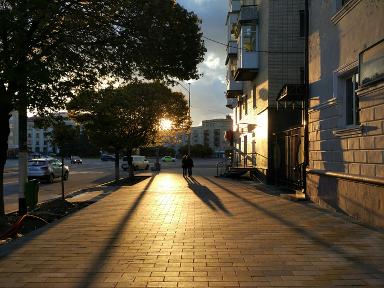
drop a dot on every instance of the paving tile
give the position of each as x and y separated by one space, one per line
217 232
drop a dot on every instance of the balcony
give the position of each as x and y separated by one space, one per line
248 14
234 5
231 50
231 103
247 65
234 88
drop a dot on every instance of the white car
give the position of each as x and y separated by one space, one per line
47 169
139 162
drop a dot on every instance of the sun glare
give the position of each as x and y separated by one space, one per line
165 124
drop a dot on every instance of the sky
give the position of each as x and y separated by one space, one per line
207 93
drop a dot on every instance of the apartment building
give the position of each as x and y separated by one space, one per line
13 137
265 59
38 140
346 107
211 133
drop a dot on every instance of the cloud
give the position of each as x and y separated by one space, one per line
212 61
207 93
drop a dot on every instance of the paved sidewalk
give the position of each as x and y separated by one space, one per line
204 232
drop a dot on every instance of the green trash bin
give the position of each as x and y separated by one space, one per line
32 193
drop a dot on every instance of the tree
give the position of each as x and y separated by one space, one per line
50 50
197 150
62 136
128 117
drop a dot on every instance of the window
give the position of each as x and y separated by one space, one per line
351 100
240 110
302 75
371 64
344 2
206 137
302 23
249 38
254 97
216 139
246 105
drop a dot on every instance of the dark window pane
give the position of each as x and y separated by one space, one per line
349 95
302 23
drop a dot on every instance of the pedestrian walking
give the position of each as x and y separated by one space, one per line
184 165
189 163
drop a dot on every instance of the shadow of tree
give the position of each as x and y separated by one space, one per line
91 274
355 260
207 196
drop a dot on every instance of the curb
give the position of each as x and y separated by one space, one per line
71 194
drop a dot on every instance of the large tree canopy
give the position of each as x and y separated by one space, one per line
52 49
128 117
49 49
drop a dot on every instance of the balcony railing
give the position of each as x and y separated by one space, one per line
234 88
232 48
248 14
248 2
234 5
231 103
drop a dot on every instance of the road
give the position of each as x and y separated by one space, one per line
92 172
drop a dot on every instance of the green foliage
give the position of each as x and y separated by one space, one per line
152 151
197 150
49 50
60 133
127 117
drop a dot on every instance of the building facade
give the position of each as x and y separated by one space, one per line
346 107
38 139
265 53
211 134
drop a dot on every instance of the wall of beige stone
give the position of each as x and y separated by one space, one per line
364 202
335 41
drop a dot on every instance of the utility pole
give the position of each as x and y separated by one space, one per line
189 113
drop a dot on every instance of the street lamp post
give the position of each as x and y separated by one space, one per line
189 113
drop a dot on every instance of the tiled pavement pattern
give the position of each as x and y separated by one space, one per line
204 232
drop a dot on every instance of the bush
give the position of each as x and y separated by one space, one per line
197 150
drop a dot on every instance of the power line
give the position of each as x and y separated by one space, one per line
260 51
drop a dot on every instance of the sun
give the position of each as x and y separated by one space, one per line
165 124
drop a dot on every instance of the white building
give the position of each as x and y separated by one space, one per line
211 133
38 140
13 138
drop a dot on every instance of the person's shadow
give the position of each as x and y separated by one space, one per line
206 195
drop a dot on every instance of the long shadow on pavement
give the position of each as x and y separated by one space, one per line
106 251
8 249
206 195
359 263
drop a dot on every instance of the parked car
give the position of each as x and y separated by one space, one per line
47 169
168 159
76 160
138 162
106 157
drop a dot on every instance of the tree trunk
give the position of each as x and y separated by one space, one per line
131 173
62 177
23 155
5 114
117 170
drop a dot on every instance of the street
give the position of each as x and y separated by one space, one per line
92 172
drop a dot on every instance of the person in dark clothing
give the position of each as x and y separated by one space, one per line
189 164
184 165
